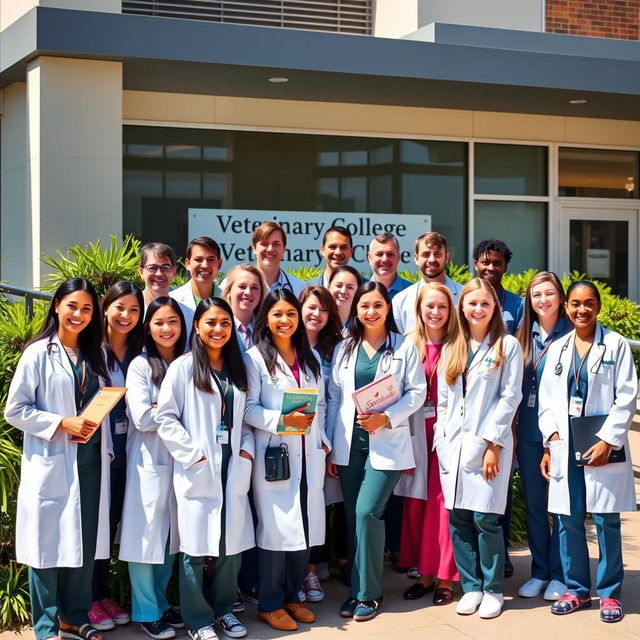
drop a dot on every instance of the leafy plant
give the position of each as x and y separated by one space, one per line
518 527
459 273
10 453
518 282
14 596
102 267
305 273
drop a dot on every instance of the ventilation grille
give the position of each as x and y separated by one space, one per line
341 16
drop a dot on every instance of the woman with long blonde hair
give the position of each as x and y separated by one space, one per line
478 396
426 540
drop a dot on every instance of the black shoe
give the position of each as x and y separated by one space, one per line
417 590
508 567
345 573
159 629
173 617
348 607
395 561
250 595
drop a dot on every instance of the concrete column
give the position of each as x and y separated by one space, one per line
394 18
74 137
15 231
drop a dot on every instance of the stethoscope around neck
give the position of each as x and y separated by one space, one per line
558 369
386 358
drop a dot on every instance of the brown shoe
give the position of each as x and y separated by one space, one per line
300 613
278 619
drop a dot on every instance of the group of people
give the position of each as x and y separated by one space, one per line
199 465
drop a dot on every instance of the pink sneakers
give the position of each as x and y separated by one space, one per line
115 611
99 618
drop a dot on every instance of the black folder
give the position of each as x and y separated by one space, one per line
584 432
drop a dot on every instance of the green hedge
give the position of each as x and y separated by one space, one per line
119 261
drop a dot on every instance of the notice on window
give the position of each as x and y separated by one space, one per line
599 263
233 229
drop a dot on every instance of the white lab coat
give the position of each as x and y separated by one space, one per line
48 523
149 514
389 448
612 391
280 524
188 419
184 296
466 424
404 303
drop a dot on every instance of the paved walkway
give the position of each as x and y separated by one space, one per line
522 619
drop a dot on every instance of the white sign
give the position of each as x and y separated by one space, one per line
598 263
232 229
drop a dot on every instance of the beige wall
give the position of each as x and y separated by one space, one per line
374 119
11 10
74 119
15 233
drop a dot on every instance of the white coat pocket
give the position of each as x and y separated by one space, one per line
46 476
556 452
196 481
316 467
155 484
472 453
242 476
443 454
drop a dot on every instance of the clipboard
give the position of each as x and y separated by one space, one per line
99 408
583 430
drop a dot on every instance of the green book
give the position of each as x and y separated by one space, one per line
293 399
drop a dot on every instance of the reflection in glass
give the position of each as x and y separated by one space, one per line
510 169
600 250
182 184
522 225
598 173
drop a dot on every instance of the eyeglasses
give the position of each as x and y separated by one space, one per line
153 268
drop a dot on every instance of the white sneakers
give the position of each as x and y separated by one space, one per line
469 602
533 588
555 590
490 604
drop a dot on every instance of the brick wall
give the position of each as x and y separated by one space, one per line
604 19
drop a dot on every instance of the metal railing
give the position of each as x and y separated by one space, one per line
29 295
340 16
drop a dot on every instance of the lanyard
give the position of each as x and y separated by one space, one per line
536 361
576 375
430 374
223 395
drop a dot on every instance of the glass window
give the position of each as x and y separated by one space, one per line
598 173
522 225
290 172
510 170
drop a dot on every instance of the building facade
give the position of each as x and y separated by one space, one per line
125 116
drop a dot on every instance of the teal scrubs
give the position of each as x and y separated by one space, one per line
366 491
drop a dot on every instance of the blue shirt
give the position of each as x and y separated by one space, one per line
527 427
512 309
398 285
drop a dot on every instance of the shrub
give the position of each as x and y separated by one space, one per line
102 267
14 596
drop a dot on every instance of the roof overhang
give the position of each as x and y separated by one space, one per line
443 66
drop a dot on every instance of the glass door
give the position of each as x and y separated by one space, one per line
602 243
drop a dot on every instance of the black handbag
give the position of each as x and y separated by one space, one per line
276 463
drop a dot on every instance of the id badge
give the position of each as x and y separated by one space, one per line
122 426
575 406
429 410
222 435
531 400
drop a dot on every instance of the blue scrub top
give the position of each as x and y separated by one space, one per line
527 427
512 309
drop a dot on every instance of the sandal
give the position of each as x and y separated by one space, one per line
443 595
611 610
568 603
84 632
